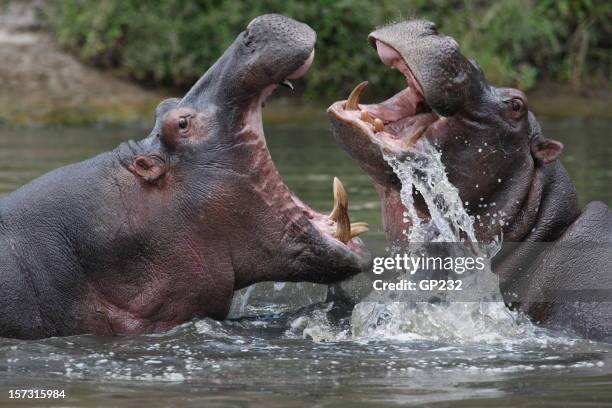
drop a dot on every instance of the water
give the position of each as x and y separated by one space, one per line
286 356
389 314
423 170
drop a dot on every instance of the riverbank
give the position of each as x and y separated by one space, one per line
42 84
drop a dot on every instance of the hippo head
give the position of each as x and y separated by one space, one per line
489 141
208 185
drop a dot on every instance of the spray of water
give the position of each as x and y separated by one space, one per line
424 171
485 319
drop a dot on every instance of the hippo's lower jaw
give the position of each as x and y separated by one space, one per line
336 226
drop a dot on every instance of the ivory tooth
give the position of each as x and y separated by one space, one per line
365 116
359 224
352 103
412 139
340 213
359 230
287 84
379 126
343 230
340 199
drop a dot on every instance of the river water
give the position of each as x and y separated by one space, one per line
284 346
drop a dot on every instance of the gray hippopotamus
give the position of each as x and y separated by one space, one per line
556 261
165 229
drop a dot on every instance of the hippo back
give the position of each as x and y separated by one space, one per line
579 269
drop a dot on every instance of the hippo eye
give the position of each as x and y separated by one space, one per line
516 104
515 107
183 122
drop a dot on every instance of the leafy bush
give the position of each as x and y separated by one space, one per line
172 42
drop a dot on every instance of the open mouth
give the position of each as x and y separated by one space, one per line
336 227
398 123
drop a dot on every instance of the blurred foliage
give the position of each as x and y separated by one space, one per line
171 42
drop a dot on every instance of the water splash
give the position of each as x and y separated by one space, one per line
425 172
317 327
275 297
241 299
485 319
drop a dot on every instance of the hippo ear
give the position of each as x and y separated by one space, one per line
545 149
149 168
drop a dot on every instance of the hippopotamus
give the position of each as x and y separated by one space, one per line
165 229
555 261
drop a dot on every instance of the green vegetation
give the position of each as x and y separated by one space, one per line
170 43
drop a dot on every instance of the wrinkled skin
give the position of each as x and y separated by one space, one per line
159 231
504 168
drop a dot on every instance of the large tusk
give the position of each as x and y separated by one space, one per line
340 198
352 103
340 213
345 231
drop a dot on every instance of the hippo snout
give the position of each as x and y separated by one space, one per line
278 48
271 50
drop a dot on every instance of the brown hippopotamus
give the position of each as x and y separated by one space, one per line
165 229
556 260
